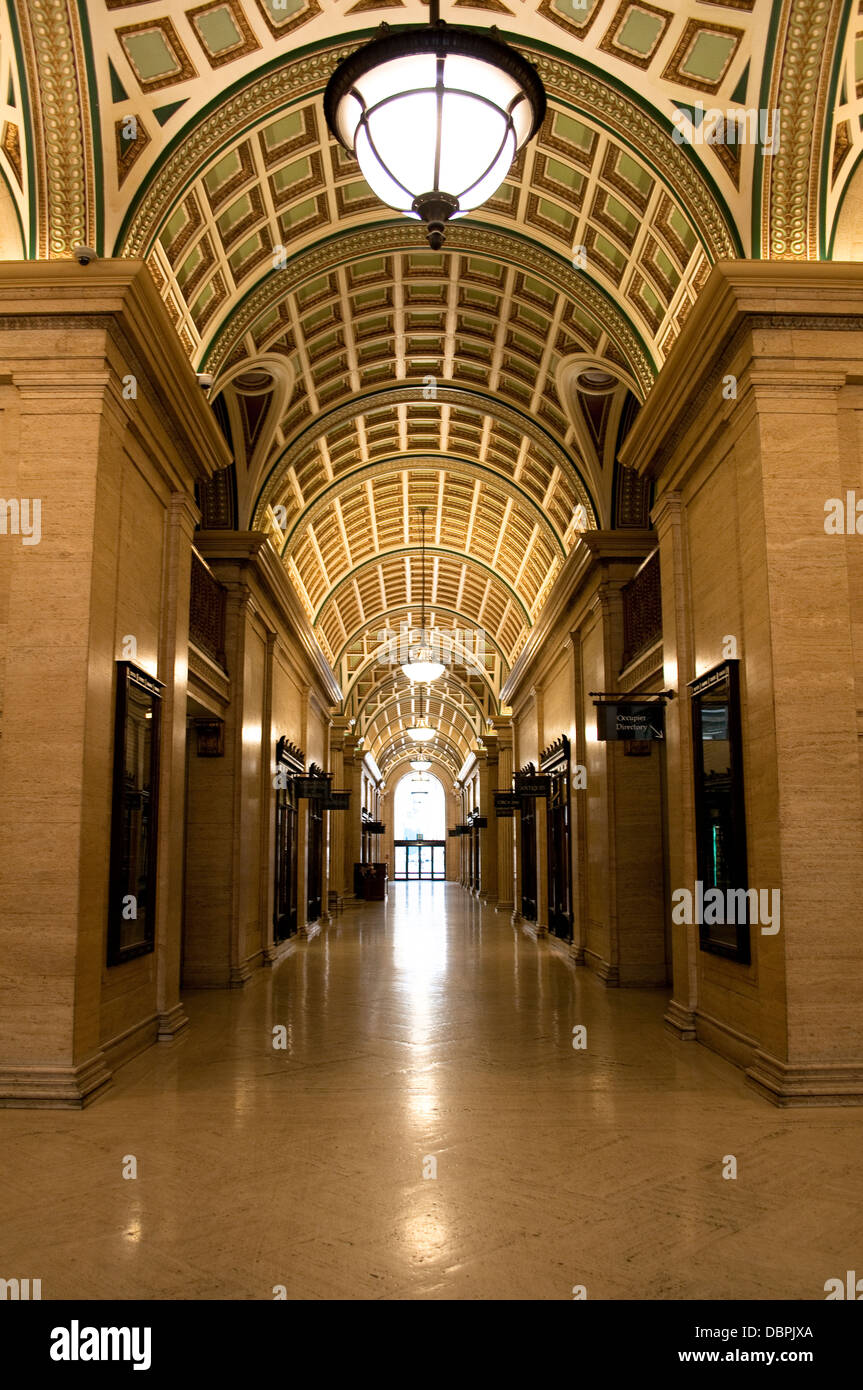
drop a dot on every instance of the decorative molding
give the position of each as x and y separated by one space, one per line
799 88
806 1083
262 98
400 394
607 105
61 135
468 238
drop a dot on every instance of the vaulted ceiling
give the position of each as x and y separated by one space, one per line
361 376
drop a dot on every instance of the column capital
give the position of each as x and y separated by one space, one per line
184 512
668 510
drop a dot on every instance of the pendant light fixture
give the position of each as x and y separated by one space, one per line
421 668
434 116
420 764
422 730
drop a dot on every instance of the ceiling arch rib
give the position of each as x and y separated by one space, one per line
397 426
386 734
284 184
364 274
587 55
397 716
477 525
393 686
482 685
486 595
359 652
352 486
399 750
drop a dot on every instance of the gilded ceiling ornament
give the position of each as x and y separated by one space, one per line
61 134
462 237
798 90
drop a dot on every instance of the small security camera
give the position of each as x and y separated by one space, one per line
84 254
205 380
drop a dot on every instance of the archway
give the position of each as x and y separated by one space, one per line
419 818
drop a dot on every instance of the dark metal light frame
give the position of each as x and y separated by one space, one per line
435 206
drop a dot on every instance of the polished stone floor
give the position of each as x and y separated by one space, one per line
430 1031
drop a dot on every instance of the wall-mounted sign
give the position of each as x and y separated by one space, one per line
313 788
506 803
375 827
210 734
531 786
480 821
630 720
337 801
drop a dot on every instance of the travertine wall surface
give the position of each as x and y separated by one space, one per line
753 426
616 831
103 423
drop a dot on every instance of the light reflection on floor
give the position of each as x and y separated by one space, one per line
429 1028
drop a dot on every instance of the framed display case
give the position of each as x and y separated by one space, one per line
134 815
720 816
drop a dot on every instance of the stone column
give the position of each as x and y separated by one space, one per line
353 769
54 798
103 434
578 800
267 860
752 435
339 819
239 610
488 777
678 656
505 825
182 518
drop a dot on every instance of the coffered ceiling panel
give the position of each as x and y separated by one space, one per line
362 376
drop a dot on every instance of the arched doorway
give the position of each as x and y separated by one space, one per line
419 815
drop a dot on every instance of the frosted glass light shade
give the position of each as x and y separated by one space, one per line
422 669
420 732
434 116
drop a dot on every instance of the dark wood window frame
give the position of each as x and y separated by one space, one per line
134 817
712 797
555 763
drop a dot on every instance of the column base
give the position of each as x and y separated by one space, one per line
680 1021
53 1088
240 975
602 969
309 930
576 950
173 1024
806 1083
502 906
277 950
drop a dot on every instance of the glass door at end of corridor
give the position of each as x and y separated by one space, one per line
417 860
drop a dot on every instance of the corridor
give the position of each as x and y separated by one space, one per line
427 1031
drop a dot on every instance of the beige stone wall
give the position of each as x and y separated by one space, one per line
616 835
280 686
103 422
557 705
741 485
